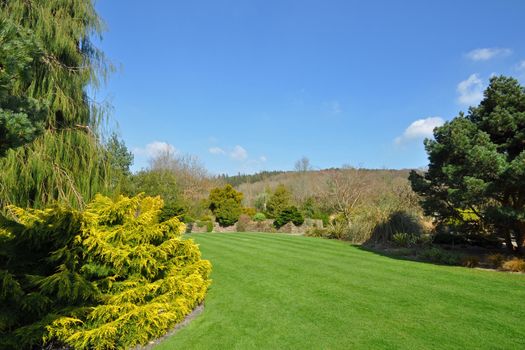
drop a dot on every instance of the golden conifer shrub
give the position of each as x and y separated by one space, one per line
108 277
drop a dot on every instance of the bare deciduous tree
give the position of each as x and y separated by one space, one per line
345 189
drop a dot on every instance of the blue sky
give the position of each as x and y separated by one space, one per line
255 85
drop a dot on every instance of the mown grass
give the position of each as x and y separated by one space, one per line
273 291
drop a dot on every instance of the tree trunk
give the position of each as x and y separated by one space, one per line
508 241
520 237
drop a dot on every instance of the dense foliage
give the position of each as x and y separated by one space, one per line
476 173
225 204
21 116
50 61
279 200
181 181
110 276
289 214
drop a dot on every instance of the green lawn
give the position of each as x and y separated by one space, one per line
273 291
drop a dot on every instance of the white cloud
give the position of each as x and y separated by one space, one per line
486 54
216 150
238 153
263 159
470 90
419 129
154 149
521 66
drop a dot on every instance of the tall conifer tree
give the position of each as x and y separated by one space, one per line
66 162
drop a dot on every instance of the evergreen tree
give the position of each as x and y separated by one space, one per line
477 165
280 199
67 161
108 277
21 116
225 204
119 155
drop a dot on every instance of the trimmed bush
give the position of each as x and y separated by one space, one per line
228 213
109 277
225 204
289 214
259 217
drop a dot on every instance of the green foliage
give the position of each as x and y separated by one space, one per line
477 164
403 239
397 222
439 256
163 183
290 214
158 182
110 276
205 223
228 212
120 157
261 201
67 163
236 180
21 116
249 211
259 217
279 200
225 204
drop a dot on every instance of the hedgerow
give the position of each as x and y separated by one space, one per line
108 277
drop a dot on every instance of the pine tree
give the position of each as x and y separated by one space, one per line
67 162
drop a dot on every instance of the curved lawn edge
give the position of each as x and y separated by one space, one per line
189 317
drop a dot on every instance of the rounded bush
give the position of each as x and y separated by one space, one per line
259 217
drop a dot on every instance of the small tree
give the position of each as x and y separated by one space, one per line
303 165
109 277
280 199
477 164
290 214
225 204
120 157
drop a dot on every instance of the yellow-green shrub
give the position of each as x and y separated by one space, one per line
515 264
110 276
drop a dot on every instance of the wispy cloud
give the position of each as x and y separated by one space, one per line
216 150
154 149
486 54
263 159
419 129
238 153
521 66
470 90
